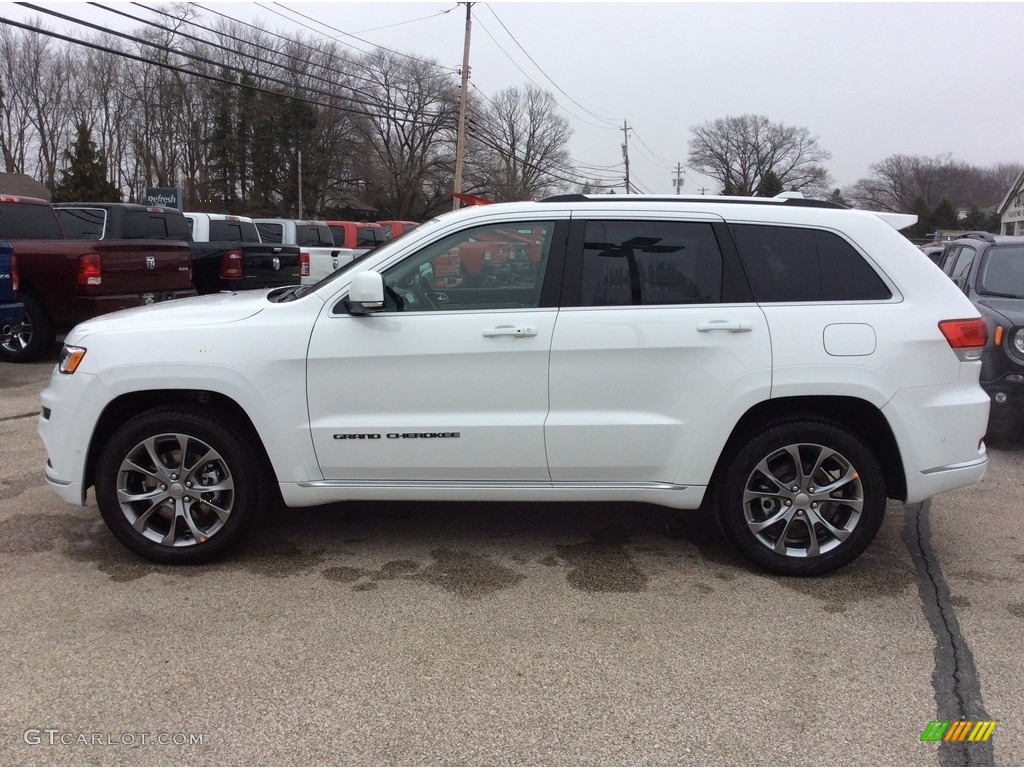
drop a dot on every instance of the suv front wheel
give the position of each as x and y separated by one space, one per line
179 485
802 498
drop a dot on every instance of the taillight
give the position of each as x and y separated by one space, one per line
231 266
90 269
14 273
965 334
303 265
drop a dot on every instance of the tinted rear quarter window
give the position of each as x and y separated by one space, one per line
148 225
270 233
28 221
82 223
790 264
650 262
313 235
226 231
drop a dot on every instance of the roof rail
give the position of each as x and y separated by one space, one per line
801 202
988 237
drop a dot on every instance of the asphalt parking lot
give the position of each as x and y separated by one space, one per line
401 634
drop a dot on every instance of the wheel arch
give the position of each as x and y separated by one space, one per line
857 416
126 406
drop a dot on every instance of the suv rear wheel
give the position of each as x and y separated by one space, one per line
179 485
802 499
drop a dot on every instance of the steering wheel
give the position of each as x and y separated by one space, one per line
425 284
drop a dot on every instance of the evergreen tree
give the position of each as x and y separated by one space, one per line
85 178
769 185
837 198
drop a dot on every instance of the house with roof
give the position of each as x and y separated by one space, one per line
23 185
1011 210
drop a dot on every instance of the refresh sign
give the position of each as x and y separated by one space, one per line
168 197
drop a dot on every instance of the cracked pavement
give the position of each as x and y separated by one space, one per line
504 634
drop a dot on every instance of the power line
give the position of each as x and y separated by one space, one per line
251 43
589 112
181 70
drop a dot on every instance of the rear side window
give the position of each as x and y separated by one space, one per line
313 235
147 225
369 236
28 221
961 268
227 231
82 223
799 264
270 233
650 262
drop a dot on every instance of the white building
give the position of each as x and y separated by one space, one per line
1011 210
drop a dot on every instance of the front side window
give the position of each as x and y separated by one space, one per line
82 223
1002 272
791 264
495 266
650 262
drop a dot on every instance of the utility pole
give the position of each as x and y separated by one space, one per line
460 142
300 184
678 180
625 152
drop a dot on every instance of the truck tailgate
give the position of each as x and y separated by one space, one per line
268 265
143 266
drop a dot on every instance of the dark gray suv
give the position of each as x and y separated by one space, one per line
990 270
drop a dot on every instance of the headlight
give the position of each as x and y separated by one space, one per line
70 357
1018 340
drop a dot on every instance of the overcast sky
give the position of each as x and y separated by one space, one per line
867 79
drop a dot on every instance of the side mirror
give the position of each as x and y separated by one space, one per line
366 293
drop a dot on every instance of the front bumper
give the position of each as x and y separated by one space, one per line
71 407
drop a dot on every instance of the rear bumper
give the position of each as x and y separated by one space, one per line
940 431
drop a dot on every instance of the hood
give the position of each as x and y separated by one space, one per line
1011 309
211 309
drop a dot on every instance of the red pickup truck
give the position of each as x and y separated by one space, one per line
63 282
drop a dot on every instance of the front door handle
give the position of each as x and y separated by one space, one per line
732 326
510 330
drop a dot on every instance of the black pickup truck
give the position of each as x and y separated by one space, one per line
227 254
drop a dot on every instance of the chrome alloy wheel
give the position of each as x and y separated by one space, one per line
175 490
16 338
803 500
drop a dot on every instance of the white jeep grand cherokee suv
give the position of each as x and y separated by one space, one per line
793 363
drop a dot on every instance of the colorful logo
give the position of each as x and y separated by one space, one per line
958 730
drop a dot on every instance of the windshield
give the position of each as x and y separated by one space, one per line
1002 274
297 292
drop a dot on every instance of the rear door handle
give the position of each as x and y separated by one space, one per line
732 326
510 330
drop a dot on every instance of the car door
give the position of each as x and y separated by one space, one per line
662 352
449 381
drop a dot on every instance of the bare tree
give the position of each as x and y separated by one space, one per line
913 182
517 150
740 151
409 133
35 78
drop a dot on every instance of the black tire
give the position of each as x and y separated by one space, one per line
176 453
825 514
34 338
